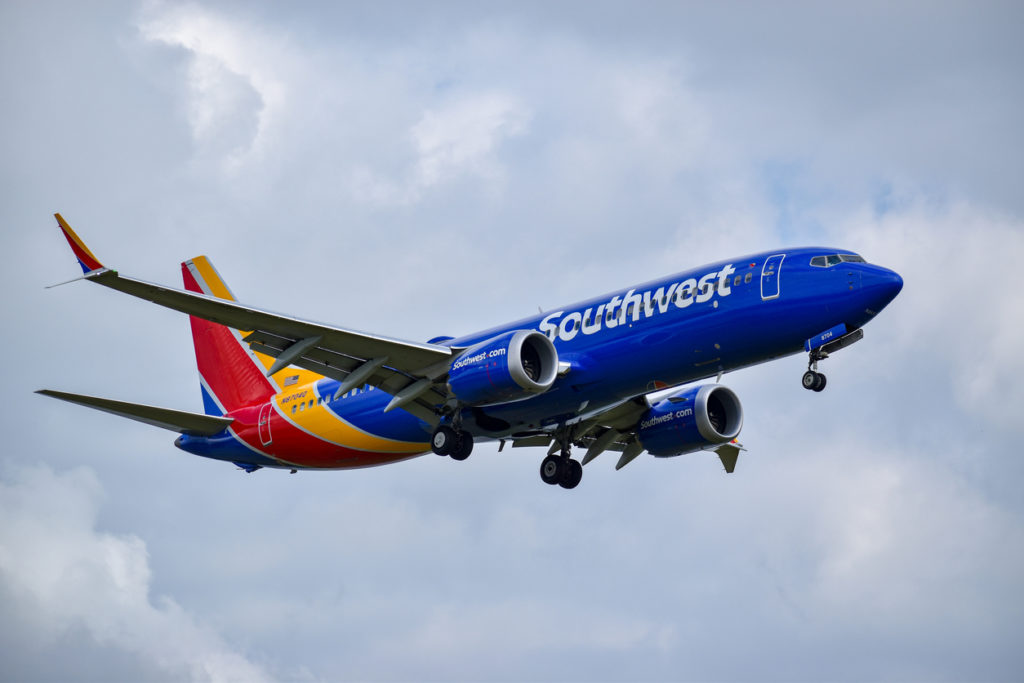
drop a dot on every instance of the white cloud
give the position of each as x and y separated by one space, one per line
898 547
236 79
461 136
420 174
454 139
65 575
960 305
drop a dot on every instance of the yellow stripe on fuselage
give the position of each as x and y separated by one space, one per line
320 421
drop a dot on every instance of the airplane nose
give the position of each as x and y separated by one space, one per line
892 283
883 284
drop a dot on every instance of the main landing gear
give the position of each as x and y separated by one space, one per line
452 442
561 470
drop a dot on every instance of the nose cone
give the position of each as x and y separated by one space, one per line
882 285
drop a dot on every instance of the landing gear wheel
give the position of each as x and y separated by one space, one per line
445 440
463 446
551 469
820 386
572 474
814 381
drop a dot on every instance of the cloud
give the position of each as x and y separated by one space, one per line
419 173
62 577
454 139
236 88
461 136
959 307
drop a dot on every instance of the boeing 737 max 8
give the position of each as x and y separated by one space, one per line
615 372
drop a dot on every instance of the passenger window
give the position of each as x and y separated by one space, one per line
736 282
302 406
310 403
748 278
294 408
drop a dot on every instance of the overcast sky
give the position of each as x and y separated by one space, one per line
418 169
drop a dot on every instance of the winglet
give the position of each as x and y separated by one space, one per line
86 259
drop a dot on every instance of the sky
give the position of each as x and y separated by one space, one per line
425 169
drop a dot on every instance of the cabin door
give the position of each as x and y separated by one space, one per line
770 277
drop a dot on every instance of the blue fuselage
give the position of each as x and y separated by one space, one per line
683 328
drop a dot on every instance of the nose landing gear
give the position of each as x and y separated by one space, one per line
812 379
820 347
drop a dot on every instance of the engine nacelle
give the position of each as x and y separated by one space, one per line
509 367
691 420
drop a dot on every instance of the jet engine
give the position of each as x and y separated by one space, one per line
509 367
691 420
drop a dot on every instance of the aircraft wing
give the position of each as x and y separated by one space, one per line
411 371
394 365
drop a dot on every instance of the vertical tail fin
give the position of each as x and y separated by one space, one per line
231 375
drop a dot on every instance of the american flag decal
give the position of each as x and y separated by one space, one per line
288 381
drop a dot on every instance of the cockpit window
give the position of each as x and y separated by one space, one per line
834 259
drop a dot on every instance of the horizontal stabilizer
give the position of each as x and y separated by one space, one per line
193 424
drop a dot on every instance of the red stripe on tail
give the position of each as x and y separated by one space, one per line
225 365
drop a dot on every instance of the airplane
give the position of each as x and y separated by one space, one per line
613 373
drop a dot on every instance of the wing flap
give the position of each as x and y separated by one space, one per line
193 424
